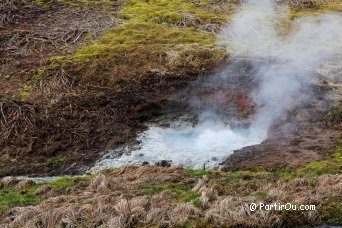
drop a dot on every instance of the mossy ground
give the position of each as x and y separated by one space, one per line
12 197
154 36
318 8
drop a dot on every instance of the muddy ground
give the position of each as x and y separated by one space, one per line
303 135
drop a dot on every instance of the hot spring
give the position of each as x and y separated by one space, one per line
185 144
236 107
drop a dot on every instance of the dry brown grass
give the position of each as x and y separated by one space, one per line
115 199
50 27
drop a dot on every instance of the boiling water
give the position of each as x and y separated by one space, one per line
203 145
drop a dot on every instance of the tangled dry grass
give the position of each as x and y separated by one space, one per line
47 27
116 199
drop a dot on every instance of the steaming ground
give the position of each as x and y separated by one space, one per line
202 146
283 84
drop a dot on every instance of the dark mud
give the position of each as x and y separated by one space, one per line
303 136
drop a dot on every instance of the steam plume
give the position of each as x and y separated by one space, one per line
290 59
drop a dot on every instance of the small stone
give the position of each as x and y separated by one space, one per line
164 163
42 190
11 182
24 184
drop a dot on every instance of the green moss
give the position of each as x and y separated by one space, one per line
190 196
335 114
170 11
152 189
67 182
260 195
62 183
331 210
285 173
151 31
133 37
332 165
182 192
199 172
9 197
55 161
79 3
318 8
25 92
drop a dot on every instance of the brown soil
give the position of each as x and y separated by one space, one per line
306 144
304 136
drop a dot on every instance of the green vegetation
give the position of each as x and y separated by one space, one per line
55 161
318 8
331 209
156 35
25 92
81 3
199 172
183 193
12 197
335 114
332 165
9 197
285 173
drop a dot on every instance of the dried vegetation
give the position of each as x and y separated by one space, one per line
148 196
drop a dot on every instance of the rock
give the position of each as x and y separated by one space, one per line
100 184
164 163
24 184
11 182
43 190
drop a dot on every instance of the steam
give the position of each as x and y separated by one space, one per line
284 75
291 59
202 146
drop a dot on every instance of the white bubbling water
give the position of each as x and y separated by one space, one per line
202 146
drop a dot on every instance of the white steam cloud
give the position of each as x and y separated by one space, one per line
287 70
292 59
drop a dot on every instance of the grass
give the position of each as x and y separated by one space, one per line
332 165
55 161
199 172
183 193
11 197
319 8
160 36
285 173
335 114
331 209
79 3
156 35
